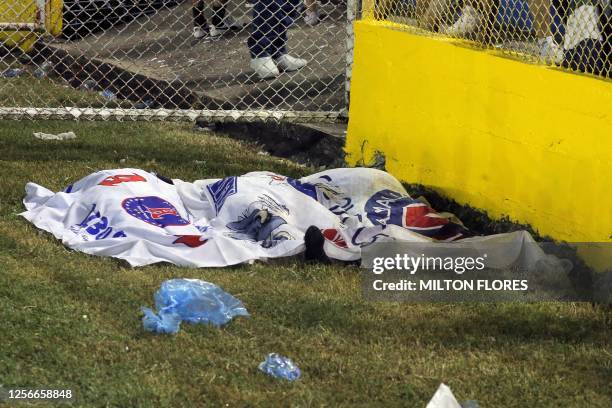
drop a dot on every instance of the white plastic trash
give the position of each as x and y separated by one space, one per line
443 398
59 136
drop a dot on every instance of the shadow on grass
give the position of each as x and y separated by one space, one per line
478 323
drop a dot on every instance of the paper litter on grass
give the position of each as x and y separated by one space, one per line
443 398
59 136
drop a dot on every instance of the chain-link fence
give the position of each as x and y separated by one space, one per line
575 34
250 59
173 59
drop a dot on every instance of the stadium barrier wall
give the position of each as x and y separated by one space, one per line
29 11
514 139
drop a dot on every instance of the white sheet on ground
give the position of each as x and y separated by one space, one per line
133 215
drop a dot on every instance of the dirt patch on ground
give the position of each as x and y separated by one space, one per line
155 56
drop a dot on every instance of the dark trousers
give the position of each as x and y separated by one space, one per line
199 20
271 20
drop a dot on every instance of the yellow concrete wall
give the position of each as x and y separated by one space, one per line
527 141
24 11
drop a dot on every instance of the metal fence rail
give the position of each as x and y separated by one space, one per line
175 59
575 34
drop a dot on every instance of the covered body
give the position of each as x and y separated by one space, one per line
134 215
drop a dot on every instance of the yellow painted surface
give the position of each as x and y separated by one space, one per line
25 11
527 141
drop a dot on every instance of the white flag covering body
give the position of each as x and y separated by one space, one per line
133 215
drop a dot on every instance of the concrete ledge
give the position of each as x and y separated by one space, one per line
311 144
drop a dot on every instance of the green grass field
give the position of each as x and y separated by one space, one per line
72 321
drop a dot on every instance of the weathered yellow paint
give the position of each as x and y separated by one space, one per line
25 11
527 141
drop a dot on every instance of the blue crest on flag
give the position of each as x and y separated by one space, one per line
220 190
306 188
386 207
153 210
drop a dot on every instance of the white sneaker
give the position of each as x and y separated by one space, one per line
228 24
265 67
466 24
549 51
288 63
199 33
311 17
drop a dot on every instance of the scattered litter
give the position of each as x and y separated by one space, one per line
108 94
280 367
199 162
443 398
25 59
470 404
12 73
193 301
202 126
146 104
50 136
89 85
42 71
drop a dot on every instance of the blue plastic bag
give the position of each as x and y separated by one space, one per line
280 367
193 301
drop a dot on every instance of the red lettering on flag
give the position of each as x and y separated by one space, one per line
121 178
157 213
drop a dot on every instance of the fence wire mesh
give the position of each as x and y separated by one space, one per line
575 34
174 59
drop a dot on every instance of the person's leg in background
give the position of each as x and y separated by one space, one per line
221 21
268 41
433 14
548 50
265 19
311 15
476 16
200 26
